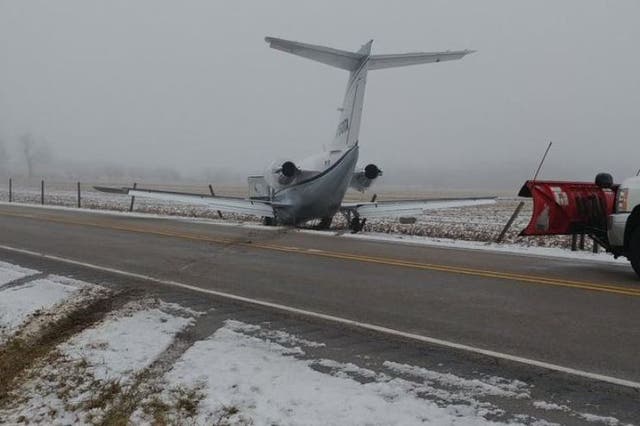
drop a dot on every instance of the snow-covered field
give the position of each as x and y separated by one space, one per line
480 223
137 364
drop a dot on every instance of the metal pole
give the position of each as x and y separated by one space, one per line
510 222
79 203
544 157
133 199
10 190
42 192
574 242
582 241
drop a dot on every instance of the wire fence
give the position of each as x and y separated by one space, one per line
499 223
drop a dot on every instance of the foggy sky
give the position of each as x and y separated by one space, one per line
192 85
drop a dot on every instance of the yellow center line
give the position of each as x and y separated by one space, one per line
606 288
464 271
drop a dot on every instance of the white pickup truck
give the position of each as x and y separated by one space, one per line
623 225
608 213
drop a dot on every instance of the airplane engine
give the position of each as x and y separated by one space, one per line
371 171
281 173
288 169
364 178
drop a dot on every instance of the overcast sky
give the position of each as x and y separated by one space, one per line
192 85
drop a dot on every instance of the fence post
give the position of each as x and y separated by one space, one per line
510 222
10 190
133 199
79 202
213 194
42 192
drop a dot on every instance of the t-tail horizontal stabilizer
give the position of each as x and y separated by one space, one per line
351 61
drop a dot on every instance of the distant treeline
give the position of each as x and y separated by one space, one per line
32 158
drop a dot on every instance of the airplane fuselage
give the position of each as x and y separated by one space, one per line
319 196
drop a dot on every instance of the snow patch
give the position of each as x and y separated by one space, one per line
543 405
82 379
19 304
10 272
350 369
126 341
245 379
592 418
494 386
278 336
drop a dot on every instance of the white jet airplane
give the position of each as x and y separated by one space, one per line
292 193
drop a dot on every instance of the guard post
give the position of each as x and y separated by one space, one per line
133 198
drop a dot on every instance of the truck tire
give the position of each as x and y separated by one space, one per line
634 250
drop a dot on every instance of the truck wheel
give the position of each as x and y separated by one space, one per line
634 250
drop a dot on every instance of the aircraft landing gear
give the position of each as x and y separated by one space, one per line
325 223
268 221
356 224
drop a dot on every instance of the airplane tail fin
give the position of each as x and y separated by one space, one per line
358 64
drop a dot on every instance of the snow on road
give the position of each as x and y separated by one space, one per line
248 380
244 374
19 304
9 272
126 341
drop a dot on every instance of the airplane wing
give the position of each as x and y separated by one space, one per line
410 207
225 204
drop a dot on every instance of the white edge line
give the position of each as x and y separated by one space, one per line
339 320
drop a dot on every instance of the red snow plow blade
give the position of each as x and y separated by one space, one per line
565 208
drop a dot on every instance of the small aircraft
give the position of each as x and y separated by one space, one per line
292 193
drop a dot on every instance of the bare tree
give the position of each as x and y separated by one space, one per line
35 153
4 158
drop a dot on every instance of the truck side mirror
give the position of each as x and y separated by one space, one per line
604 180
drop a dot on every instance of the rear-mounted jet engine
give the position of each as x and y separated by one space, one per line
364 178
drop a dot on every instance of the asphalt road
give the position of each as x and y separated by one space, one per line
572 313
